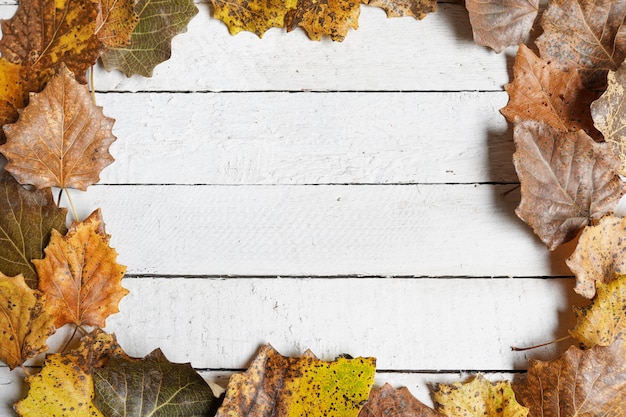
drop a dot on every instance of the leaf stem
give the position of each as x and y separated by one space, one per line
71 204
25 369
521 349
69 340
92 87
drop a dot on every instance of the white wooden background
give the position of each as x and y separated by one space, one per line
349 197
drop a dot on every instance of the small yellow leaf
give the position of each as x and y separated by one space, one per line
330 18
255 16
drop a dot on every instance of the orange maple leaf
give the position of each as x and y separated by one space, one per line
80 274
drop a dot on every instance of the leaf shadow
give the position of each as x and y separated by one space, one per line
457 18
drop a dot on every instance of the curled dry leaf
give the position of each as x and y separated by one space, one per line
331 18
579 383
585 35
277 386
599 255
478 398
566 180
609 114
80 275
116 22
61 139
604 320
256 16
401 8
540 91
388 401
27 218
25 324
501 23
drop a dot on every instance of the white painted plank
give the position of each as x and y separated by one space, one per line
406 323
423 230
436 53
309 138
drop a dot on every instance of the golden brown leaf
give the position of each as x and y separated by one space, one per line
609 114
256 16
599 255
13 93
566 180
388 401
501 23
116 22
320 18
401 8
579 383
80 275
43 34
61 139
25 324
604 320
540 91
95 350
585 35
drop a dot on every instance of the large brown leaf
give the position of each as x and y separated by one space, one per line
80 275
331 18
578 384
401 8
27 217
388 401
25 323
566 180
599 255
43 34
501 23
585 35
61 140
540 91
609 114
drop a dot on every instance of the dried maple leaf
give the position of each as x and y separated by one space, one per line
540 91
501 23
277 386
320 18
604 320
478 397
80 275
579 383
401 8
25 324
599 255
116 22
43 34
387 401
609 114
256 16
566 180
150 42
61 140
27 219
151 387
585 35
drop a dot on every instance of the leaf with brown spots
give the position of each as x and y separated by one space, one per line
501 23
542 92
80 275
61 139
599 255
13 93
256 16
25 324
320 18
478 398
566 179
401 8
604 320
95 350
116 22
278 386
585 35
388 401
579 383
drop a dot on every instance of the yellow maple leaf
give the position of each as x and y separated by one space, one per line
255 16
330 18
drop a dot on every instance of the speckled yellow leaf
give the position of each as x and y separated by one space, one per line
116 22
319 18
60 389
13 93
402 8
278 386
255 16
478 398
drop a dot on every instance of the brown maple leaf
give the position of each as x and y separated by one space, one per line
25 323
401 8
388 401
579 383
43 34
80 275
599 255
541 91
566 180
61 138
320 18
501 23
585 35
116 22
